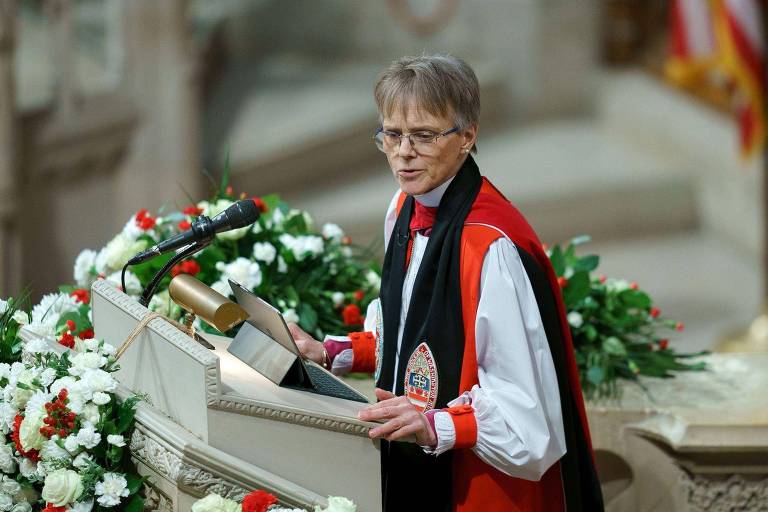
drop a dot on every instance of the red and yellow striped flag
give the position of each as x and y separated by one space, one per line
711 39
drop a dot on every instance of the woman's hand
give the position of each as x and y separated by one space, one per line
309 347
404 419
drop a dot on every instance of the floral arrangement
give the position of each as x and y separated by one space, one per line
617 331
318 279
63 427
262 501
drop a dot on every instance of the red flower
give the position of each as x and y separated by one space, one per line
544 247
67 340
345 240
258 501
192 210
85 334
190 267
655 312
230 190
663 344
147 223
351 315
261 204
141 215
71 325
359 295
603 278
633 285
49 507
562 282
81 295
679 326
184 225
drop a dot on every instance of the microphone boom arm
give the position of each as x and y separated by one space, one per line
149 291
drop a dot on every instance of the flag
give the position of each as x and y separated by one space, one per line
716 39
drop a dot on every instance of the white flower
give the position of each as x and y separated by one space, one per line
98 380
337 298
22 506
82 506
62 383
72 446
51 450
283 509
160 303
87 436
83 460
278 218
3 306
575 319
5 370
374 280
213 209
290 315
116 440
112 487
90 411
617 285
6 502
132 230
21 317
7 462
86 361
37 346
264 251
29 431
27 468
282 267
132 283
333 232
46 314
215 503
222 287
302 246
10 486
84 266
100 398
62 487
37 401
7 414
338 504
346 251
120 249
242 270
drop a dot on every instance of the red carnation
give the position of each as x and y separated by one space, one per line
147 223
663 344
81 295
633 285
562 282
49 507
184 225
679 326
359 295
655 312
192 210
260 204
33 454
141 215
351 315
258 501
603 278
67 340
85 334
190 267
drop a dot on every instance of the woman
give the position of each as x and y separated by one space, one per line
479 398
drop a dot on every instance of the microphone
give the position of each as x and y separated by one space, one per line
240 214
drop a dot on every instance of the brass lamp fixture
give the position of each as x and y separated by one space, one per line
198 299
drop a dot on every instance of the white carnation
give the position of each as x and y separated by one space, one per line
7 414
3 306
46 314
22 506
264 251
116 440
21 317
82 460
112 487
221 286
290 315
373 279
337 298
213 209
346 251
62 383
7 462
302 246
98 380
6 502
575 319
282 267
5 370
132 283
120 249
160 303
87 436
81 506
90 411
27 468
242 270
52 451
84 268
86 361
37 346
132 230
338 504
100 398
10 486
215 503
333 232
73 446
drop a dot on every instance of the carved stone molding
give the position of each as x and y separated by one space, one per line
156 501
295 417
713 494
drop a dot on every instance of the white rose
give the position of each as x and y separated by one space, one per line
29 431
215 503
21 317
112 487
338 504
242 270
290 315
7 462
337 298
116 440
120 249
62 487
575 319
84 266
333 232
264 251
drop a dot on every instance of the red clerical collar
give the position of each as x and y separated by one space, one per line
423 218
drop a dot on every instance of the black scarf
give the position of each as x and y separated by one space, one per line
435 318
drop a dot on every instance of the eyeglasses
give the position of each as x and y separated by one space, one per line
422 141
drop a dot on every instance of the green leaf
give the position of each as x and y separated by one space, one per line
136 504
613 345
558 260
595 375
134 482
224 177
577 289
587 263
307 317
125 415
635 299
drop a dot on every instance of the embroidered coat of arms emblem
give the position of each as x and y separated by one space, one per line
421 378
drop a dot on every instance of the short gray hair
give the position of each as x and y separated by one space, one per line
443 85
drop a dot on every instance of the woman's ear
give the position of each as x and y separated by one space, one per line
469 136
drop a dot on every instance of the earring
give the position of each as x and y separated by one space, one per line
464 150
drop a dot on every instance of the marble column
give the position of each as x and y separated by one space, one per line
9 243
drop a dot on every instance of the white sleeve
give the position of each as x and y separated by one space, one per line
390 219
517 404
